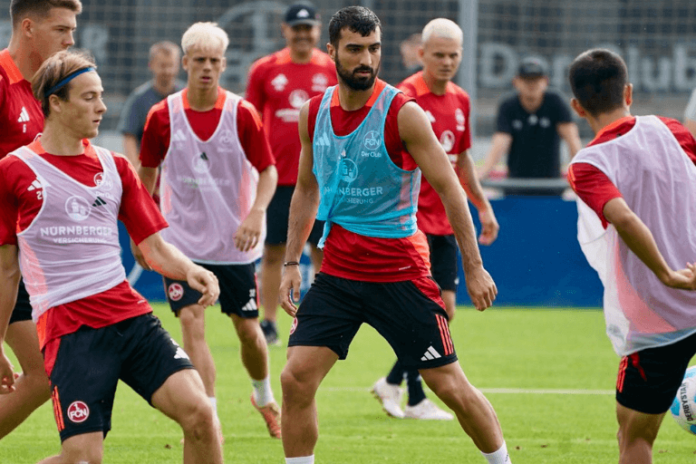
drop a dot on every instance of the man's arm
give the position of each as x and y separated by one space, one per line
500 145
9 283
148 176
569 132
130 149
303 211
421 143
249 231
470 182
170 262
640 241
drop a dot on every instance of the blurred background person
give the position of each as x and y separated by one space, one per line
529 128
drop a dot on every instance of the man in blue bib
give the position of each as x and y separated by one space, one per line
363 143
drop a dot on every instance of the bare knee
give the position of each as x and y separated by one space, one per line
199 421
297 391
249 332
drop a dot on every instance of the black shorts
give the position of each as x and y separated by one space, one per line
410 315
443 261
278 215
238 290
22 309
649 379
88 364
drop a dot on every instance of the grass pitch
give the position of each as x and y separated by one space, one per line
549 373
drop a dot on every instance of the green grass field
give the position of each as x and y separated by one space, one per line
513 355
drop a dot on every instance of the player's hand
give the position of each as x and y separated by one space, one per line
249 231
139 257
684 279
290 282
481 288
489 227
205 282
7 375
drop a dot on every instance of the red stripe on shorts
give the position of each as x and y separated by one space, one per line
445 334
57 410
622 374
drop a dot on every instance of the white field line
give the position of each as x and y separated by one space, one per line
504 391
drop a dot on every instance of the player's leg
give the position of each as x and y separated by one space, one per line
160 371
327 320
388 390
87 448
647 383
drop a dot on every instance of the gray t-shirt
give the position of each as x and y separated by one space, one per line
690 112
137 106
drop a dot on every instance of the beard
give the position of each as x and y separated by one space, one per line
354 82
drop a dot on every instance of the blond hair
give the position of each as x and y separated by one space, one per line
55 69
204 35
443 28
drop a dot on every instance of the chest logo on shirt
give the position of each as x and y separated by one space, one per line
517 124
319 82
178 136
78 208
447 141
545 122
348 170
430 116
533 119
372 140
297 98
227 137
279 82
459 116
101 181
201 163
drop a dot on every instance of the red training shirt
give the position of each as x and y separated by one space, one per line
449 116
357 257
21 118
594 187
22 197
278 88
157 134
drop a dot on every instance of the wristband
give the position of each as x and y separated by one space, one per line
291 263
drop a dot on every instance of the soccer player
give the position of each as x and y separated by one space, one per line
279 85
448 109
218 176
362 144
637 185
40 28
94 329
164 66
529 128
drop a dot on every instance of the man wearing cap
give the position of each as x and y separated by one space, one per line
529 127
278 86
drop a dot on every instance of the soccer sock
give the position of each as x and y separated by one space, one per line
396 375
499 457
213 401
415 387
262 391
302 460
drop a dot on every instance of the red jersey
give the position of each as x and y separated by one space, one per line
357 257
21 118
157 132
449 116
21 195
594 187
278 88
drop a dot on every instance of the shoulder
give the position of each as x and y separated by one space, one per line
247 112
322 59
265 63
508 101
142 89
158 114
555 97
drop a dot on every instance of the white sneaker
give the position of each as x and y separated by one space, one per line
426 410
390 397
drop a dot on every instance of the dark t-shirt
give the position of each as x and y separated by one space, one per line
535 149
138 104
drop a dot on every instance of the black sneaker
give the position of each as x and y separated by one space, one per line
270 331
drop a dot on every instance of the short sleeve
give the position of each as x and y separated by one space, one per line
254 92
561 109
10 207
128 122
155 142
593 187
253 138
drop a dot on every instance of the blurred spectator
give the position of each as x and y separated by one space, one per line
529 127
690 114
164 65
409 53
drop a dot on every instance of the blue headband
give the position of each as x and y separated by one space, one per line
70 77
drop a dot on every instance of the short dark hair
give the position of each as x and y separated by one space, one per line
356 18
20 9
598 78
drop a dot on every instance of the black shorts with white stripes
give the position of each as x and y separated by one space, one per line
238 290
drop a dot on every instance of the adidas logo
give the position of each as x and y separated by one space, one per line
430 354
36 185
98 202
180 354
23 115
323 140
250 306
178 136
204 157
